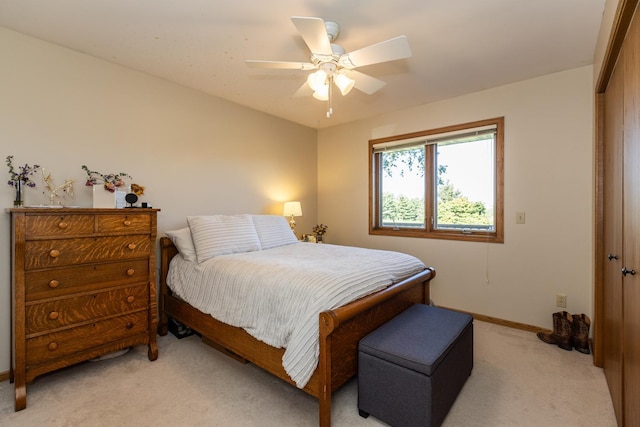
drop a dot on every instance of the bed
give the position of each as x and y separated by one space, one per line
338 329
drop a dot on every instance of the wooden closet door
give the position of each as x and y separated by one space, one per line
612 235
631 213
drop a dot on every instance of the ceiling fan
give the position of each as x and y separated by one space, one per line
332 64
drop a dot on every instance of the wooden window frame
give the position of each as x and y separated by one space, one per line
430 232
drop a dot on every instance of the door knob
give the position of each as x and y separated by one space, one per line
625 271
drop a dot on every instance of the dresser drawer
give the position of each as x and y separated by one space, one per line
60 253
123 223
62 312
48 347
57 282
58 225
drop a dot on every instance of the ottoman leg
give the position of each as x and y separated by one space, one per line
363 414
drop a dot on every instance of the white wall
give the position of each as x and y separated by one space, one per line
194 153
548 175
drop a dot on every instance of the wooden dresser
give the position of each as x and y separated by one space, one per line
83 285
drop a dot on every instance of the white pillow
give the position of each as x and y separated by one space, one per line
273 231
215 235
182 240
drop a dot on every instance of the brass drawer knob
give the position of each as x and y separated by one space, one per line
52 346
126 222
63 225
130 298
54 253
54 315
131 246
131 272
53 284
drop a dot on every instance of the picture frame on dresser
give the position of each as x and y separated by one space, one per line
83 285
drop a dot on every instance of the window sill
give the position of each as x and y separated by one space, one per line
443 235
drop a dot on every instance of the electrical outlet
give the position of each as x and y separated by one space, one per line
561 300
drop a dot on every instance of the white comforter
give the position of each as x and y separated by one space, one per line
276 294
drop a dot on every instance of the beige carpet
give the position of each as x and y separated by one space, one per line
517 381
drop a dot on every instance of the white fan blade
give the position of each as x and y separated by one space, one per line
389 50
303 90
281 65
314 34
365 83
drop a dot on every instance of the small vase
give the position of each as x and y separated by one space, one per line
103 198
18 201
319 238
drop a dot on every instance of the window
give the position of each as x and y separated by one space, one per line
444 183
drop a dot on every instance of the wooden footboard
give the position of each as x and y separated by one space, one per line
340 330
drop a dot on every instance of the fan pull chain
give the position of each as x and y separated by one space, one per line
330 110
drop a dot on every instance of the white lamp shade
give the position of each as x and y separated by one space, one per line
322 93
317 80
344 83
292 208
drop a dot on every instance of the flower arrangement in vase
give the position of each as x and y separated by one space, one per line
319 230
54 190
20 178
109 181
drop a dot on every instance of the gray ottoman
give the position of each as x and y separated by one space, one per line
411 369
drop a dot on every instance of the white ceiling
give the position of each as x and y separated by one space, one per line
459 46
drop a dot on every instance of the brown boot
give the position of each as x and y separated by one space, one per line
580 332
566 331
562 331
552 337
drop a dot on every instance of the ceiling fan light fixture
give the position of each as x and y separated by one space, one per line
317 80
322 93
344 83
